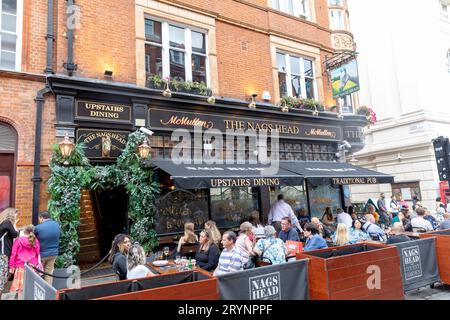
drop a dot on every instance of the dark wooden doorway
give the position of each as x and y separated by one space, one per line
111 214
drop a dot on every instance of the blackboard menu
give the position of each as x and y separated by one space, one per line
177 207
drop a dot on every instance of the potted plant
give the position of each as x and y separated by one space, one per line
371 116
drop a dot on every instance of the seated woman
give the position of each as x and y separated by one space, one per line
327 218
244 244
189 236
257 227
314 240
341 237
372 210
208 253
357 234
136 263
271 247
216 236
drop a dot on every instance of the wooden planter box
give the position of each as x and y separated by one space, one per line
341 273
187 285
442 252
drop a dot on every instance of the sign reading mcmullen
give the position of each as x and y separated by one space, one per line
95 111
170 120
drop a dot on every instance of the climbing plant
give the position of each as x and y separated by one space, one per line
130 171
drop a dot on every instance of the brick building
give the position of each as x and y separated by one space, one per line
239 48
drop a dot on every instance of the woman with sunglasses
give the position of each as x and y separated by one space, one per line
207 255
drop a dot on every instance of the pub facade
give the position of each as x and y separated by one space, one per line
228 64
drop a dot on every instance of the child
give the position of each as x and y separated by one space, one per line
25 249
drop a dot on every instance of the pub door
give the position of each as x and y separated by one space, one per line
111 216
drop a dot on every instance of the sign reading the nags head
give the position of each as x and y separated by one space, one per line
265 287
102 144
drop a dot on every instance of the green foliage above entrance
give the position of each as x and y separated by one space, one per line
130 171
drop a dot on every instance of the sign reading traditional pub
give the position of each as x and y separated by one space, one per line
347 181
103 144
96 111
170 120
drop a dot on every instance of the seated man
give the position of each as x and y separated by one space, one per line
420 222
396 236
287 232
372 229
446 223
302 217
230 259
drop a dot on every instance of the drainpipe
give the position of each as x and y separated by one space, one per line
40 99
70 66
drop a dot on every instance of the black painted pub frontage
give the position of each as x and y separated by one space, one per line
102 114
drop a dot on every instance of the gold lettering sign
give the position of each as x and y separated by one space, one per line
346 181
315 132
217 183
103 111
186 121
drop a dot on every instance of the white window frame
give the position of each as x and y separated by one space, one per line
339 26
165 45
300 8
288 75
17 34
339 4
445 14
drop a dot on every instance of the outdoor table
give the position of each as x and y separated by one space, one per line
170 268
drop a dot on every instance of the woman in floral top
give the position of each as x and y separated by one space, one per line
271 247
357 234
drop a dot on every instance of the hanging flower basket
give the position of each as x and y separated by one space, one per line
371 116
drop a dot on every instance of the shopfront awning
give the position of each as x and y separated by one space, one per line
335 173
203 176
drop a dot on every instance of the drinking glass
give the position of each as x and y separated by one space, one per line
194 262
166 252
159 255
177 260
183 263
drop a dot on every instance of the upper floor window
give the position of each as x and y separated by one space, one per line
298 8
9 32
175 51
448 60
296 76
445 10
337 20
335 3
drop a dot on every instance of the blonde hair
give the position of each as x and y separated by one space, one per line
189 234
135 256
342 234
207 245
8 214
216 235
29 231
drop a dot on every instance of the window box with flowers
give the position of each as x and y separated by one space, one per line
371 116
302 104
176 85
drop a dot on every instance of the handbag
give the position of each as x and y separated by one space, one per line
2 239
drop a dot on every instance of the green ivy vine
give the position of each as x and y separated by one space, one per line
130 171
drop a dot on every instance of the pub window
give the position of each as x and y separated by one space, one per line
407 191
175 51
324 196
337 20
296 76
295 196
231 206
297 8
346 103
10 33
319 152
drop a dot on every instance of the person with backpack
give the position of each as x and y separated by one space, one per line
8 232
372 229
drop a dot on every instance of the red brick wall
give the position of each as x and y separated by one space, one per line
18 108
244 61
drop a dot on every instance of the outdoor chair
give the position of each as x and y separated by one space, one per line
419 230
263 262
189 249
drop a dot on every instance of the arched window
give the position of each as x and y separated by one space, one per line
8 145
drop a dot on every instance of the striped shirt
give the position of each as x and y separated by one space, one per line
229 261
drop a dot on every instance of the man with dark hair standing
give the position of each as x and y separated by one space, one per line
279 210
386 216
48 232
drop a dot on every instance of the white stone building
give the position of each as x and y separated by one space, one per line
404 66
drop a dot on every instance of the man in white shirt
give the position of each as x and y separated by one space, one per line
343 217
278 211
420 222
